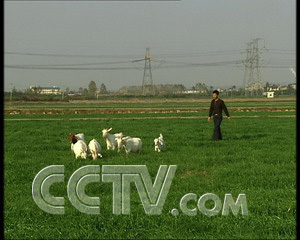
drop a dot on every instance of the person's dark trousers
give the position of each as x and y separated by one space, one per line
217 129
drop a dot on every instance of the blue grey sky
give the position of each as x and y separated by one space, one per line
120 31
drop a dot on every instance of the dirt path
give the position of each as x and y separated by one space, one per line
126 118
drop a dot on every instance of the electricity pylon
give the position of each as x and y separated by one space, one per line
293 71
147 86
252 76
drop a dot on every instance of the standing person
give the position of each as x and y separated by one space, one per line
217 105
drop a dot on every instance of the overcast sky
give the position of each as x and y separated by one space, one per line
187 31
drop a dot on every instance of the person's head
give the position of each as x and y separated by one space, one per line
215 94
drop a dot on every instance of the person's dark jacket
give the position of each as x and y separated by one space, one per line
216 107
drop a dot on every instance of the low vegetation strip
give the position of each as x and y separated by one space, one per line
162 100
145 117
140 110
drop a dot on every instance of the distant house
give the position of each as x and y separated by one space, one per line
73 93
269 94
189 91
273 88
283 88
46 90
293 86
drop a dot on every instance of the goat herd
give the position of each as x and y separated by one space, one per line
131 144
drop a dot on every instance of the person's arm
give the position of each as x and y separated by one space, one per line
210 109
225 109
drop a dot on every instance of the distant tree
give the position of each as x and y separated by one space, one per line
267 86
103 89
14 90
134 90
290 90
178 88
67 90
201 87
92 88
85 92
169 88
28 90
80 90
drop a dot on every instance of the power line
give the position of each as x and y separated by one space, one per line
193 54
160 66
189 54
209 63
65 68
75 64
70 55
281 50
178 64
196 54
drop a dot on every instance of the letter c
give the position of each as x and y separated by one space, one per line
40 189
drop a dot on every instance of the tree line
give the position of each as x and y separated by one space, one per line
92 91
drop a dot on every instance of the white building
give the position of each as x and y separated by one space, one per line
293 86
189 91
270 94
46 90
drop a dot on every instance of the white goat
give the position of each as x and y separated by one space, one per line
111 142
80 136
131 144
95 148
159 143
79 147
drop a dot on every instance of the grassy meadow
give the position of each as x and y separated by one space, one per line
257 157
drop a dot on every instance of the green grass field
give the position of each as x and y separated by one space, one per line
144 104
256 157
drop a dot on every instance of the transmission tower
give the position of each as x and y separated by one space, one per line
293 71
252 76
147 86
